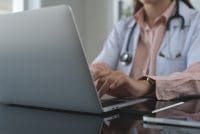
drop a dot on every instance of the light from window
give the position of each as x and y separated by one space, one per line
18 5
5 6
9 6
122 9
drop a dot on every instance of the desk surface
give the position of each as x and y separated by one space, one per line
21 120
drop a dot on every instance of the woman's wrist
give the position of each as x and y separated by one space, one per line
152 85
141 87
152 82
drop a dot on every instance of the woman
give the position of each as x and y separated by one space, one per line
155 51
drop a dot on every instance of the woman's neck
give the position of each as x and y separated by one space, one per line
153 10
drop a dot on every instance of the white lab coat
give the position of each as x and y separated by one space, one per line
180 48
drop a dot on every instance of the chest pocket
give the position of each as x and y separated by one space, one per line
171 57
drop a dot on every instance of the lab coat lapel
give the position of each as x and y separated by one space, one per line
133 46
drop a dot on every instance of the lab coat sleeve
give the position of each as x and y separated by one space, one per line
111 49
179 83
183 83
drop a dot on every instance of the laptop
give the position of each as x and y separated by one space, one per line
43 63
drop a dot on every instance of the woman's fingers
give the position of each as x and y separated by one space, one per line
99 74
108 81
104 89
100 83
98 67
120 81
104 84
116 84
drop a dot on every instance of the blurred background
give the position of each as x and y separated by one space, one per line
95 18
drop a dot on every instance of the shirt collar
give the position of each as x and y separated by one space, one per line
185 11
139 16
169 11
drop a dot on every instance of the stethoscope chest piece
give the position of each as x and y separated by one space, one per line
126 58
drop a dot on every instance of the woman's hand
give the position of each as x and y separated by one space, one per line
118 84
108 82
96 68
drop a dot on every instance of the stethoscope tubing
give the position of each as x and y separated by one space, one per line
127 55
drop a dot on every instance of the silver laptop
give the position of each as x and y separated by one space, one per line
42 63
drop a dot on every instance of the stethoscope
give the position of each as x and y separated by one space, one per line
126 57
